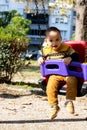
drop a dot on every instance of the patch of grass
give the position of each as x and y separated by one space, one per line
28 76
32 71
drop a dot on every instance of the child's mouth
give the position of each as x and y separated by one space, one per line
54 46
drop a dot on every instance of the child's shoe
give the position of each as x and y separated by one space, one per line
53 111
70 107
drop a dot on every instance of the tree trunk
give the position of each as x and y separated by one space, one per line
81 20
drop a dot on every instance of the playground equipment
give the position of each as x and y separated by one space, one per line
58 67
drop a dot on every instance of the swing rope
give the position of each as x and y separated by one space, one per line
37 13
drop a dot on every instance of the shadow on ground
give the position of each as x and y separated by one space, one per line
38 92
16 90
41 121
9 96
33 85
35 89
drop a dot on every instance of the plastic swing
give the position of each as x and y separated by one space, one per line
60 68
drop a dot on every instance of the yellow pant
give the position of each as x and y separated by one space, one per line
53 85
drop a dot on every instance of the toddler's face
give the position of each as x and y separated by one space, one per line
53 39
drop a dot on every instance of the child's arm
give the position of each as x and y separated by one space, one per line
67 60
73 57
40 58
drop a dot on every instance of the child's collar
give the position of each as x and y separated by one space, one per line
63 47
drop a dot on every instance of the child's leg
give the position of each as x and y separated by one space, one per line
52 92
71 93
52 89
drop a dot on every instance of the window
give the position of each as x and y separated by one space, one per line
3 8
41 18
57 20
73 28
37 32
65 20
61 20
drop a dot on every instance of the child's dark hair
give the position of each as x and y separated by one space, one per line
52 29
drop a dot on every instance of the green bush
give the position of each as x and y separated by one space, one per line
10 60
13 42
6 16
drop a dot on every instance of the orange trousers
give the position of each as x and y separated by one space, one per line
53 85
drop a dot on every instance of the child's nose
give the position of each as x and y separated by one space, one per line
53 42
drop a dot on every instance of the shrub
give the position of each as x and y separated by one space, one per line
13 42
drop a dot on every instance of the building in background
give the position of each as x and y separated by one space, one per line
4 5
41 19
66 24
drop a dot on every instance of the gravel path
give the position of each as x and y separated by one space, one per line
29 111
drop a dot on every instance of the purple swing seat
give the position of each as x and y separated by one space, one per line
58 67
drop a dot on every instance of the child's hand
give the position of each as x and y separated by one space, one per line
40 60
67 60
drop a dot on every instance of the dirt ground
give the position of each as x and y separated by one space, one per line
28 110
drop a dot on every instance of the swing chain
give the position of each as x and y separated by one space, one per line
44 13
37 13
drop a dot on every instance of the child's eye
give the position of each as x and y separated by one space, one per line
50 40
